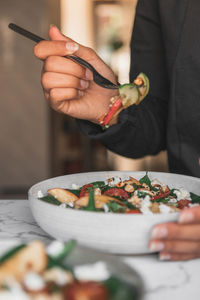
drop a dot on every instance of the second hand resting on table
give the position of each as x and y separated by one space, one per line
69 89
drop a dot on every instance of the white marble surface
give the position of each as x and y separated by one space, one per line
163 280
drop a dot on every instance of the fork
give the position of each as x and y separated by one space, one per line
97 78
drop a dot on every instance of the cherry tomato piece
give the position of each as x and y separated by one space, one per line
86 290
84 190
117 192
133 211
183 203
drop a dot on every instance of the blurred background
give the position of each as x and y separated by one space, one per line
35 142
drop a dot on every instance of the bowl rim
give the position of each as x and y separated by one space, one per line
110 215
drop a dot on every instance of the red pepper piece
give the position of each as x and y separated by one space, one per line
112 111
160 196
133 211
84 190
183 203
117 192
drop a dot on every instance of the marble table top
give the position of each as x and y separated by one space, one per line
163 280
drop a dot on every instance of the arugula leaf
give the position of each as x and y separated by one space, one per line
97 184
11 253
195 198
120 290
115 207
129 205
50 199
91 202
75 192
146 180
172 193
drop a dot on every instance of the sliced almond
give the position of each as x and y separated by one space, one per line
32 258
62 195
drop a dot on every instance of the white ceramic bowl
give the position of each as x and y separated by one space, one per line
114 233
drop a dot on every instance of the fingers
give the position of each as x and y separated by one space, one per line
174 231
48 48
190 215
177 256
62 46
52 80
175 246
63 65
62 94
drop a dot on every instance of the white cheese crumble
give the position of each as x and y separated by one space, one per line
173 200
34 282
164 209
70 204
75 186
14 295
113 181
40 194
95 272
55 248
106 208
63 205
182 194
145 206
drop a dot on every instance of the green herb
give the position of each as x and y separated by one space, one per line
172 193
195 198
146 180
50 199
98 184
119 290
115 207
163 200
11 253
91 202
142 194
129 205
66 250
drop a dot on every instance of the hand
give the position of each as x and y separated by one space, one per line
68 87
178 241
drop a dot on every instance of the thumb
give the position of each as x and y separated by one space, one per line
56 35
84 52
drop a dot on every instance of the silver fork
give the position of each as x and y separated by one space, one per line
98 78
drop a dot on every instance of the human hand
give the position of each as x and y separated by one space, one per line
68 87
178 241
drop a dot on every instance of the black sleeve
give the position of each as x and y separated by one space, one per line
141 130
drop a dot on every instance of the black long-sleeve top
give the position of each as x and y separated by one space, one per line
165 45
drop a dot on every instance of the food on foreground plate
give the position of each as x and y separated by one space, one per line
34 272
130 196
129 94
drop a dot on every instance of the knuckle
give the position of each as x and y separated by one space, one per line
73 93
49 62
45 79
36 50
53 94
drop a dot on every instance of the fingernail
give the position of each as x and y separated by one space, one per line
80 93
84 84
159 232
156 246
186 217
71 47
88 74
164 257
